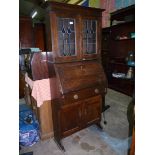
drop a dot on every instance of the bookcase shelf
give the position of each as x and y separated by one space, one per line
118 49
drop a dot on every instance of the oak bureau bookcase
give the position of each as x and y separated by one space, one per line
73 34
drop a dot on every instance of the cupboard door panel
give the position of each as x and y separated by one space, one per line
70 119
92 110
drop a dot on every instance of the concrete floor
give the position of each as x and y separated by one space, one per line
112 140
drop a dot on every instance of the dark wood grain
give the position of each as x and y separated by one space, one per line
26 37
79 14
80 79
39 36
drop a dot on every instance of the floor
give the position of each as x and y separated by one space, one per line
112 140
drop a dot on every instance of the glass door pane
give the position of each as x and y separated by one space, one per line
66 36
89 36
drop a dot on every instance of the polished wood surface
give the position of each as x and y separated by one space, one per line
70 118
21 85
46 120
26 38
80 82
80 76
39 36
43 114
79 15
132 149
38 67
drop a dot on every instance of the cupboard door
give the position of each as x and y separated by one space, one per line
90 38
70 116
92 110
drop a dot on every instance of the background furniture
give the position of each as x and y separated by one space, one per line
37 70
73 33
39 36
26 40
118 43
29 36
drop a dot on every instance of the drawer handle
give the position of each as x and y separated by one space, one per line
75 96
96 91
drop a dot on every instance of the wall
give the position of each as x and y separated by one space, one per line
109 6
123 3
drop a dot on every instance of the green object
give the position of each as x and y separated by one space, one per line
132 34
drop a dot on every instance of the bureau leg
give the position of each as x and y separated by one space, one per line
61 147
99 126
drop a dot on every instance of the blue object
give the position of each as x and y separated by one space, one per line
35 49
131 63
28 126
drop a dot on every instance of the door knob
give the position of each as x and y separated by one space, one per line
75 96
96 91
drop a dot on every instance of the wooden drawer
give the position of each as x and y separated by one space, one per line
82 94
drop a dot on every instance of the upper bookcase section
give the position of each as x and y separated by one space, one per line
73 32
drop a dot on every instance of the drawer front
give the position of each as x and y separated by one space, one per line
82 94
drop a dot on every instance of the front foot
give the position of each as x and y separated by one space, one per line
59 145
99 126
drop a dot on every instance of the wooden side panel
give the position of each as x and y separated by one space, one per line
43 114
46 120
